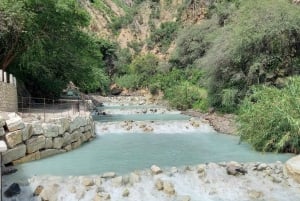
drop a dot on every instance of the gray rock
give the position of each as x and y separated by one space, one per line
13 190
35 143
50 130
27 131
58 142
2 131
76 144
37 128
2 121
67 139
13 154
48 143
77 123
234 168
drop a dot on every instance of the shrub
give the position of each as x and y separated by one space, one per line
269 118
164 35
129 81
184 95
255 47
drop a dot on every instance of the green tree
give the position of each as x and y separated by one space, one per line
53 49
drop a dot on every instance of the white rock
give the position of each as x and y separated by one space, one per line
117 181
14 122
125 193
102 196
155 169
168 188
292 167
201 168
87 181
159 185
50 130
13 138
134 178
261 167
37 128
49 193
108 175
27 131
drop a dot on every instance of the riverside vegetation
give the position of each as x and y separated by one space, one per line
236 56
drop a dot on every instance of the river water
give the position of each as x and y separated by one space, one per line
134 137
173 141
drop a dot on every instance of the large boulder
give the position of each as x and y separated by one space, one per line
58 142
13 154
13 190
77 123
292 167
63 123
13 138
14 122
36 143
37 128
50 130
27 131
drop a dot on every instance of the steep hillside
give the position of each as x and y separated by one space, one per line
132 23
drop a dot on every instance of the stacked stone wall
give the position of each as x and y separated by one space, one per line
8 93
37 140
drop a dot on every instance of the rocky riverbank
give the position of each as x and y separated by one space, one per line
208 182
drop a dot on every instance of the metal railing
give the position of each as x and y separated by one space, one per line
45 109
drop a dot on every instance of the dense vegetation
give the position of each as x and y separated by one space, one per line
44 45
270 118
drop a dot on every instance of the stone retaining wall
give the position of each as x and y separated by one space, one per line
8 94
37 140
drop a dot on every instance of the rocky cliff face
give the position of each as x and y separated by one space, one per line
147 16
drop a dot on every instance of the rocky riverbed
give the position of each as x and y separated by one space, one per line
226 181
229 181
